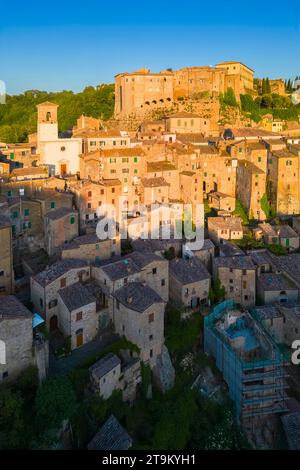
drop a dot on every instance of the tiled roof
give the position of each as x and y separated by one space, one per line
188 271
120 269
225 223
273 281
56 214
234 262
4 221
11 308
104 365
137 296
76 296
124 152
112 436
160 166
154 182
58 269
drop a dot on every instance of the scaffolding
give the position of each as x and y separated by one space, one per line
256 384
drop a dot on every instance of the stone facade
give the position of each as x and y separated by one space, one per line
6 257
61 226
237 275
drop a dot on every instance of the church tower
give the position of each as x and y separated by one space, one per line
47 126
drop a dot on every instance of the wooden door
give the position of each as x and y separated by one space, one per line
79 339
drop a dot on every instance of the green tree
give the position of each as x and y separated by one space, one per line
12 426
55 401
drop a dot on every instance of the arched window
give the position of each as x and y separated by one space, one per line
2 352
48 116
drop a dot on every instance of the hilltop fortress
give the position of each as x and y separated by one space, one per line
142 91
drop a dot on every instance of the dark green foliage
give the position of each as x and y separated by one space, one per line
241 212
182 336
228 98
12 423
216 292
55 401
18 117
277 249
146 377
265 205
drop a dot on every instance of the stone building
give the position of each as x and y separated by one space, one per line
184 122
142 91
238 76
91 199
77 315
273 287
154 190
221 202
277 234
167 170
102 139
6 257
110 373
283 181
225 228
189 282
250 188
21 174
61 226
205 254
145 267
16 336
237 275
45 285
90 248
138 315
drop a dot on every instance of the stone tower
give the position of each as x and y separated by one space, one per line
47 127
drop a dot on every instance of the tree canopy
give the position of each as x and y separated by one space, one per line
19 115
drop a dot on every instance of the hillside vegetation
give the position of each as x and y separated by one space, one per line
19 115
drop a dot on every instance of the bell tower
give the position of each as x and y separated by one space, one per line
47 126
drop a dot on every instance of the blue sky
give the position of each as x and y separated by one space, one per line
68 45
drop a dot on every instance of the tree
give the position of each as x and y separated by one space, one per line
12 426
240 211
229 98
55 401
217 292
265 205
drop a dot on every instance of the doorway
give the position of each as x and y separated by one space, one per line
79 338
53 323
63 169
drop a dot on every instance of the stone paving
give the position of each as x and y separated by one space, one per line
63 365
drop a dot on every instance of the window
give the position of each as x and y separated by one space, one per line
244 285
78 316
125 170
125 160
163 282
102 191
135 171
231 288
231 281
62 149
1 273
15 214
246 297
63 283
151 318
26 212
89 193
154 270
151 352
89 205
112 190
150 337
9 193
72 220
135 159
52 303
259 159
52 205
41 303
244 272
5 375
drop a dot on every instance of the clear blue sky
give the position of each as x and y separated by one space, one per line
55 45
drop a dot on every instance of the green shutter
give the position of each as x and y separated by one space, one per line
52 205
72 220
26 212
